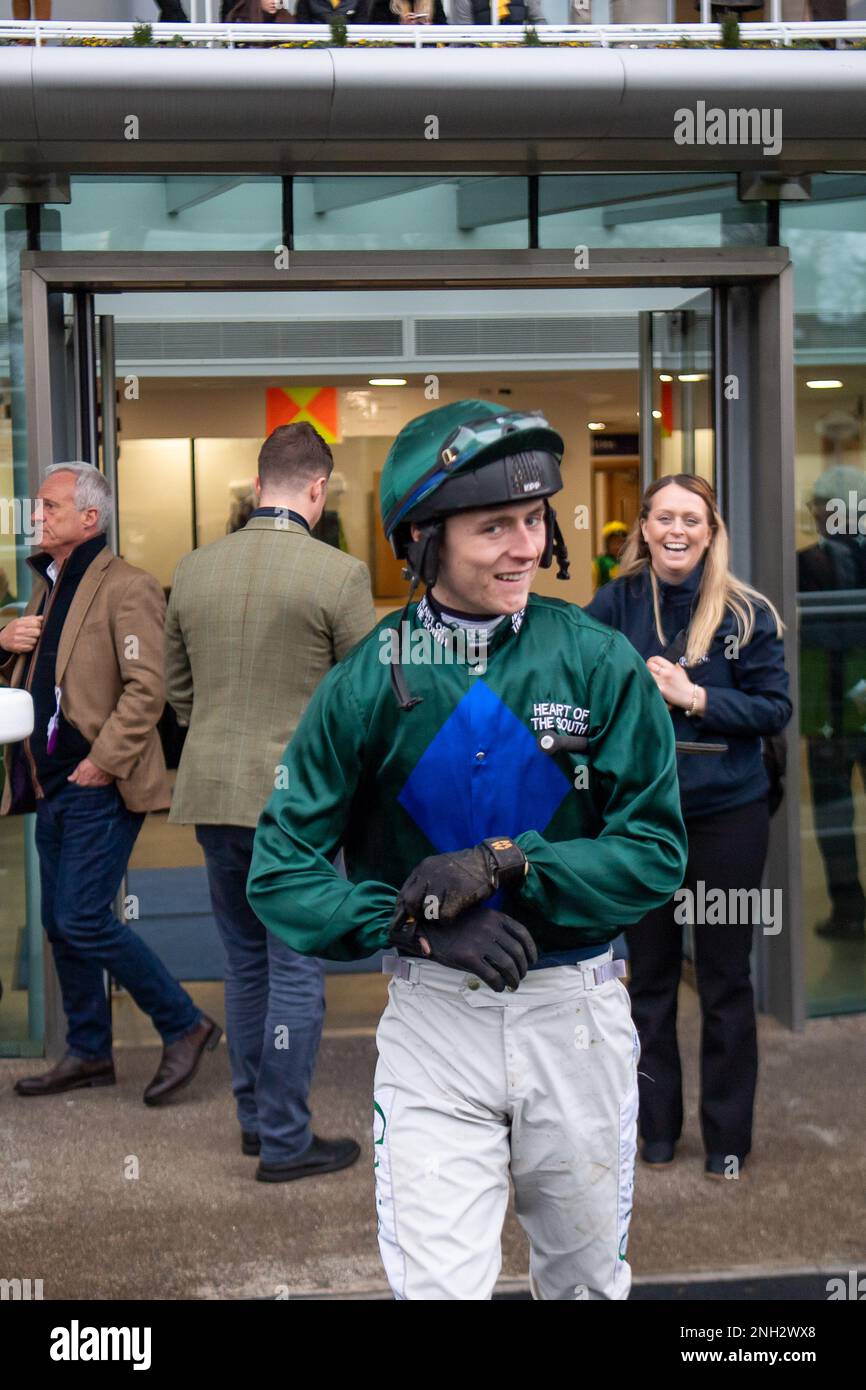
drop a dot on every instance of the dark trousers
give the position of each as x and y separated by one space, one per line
84 837
831 768
725 851
171 12
275 1004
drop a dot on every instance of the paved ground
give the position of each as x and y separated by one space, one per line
193 1223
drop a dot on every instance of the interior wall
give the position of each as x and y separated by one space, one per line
154 487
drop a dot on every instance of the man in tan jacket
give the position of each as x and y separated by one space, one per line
89 650
255 621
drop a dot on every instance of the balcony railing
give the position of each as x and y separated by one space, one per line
782 35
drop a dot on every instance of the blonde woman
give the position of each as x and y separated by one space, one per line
713 645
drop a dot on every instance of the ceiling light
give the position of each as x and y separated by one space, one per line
387 381
829 385
595 425
665 376
691 376
657 415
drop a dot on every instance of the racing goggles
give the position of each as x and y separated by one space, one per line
470 438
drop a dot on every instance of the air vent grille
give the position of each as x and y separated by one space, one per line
231 341
541 336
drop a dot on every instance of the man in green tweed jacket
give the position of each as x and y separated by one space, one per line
255 621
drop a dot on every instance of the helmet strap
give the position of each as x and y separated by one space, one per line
554 544
422 556
403 695
559 549
422 566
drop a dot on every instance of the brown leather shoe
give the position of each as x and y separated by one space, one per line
69 1074
181 1059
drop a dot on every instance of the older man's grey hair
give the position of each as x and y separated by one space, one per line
91 490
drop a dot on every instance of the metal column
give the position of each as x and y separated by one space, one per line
645 368
108 401
84 339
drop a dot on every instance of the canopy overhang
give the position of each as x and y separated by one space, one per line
68 110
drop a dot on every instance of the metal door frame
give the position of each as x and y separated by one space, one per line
753 298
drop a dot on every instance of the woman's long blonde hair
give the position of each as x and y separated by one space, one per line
719 592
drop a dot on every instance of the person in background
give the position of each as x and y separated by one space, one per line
258 12
255 621
21 9
243 504
606 566
401 12
323 12
713 645
510 12
833 688
330 526
89 650
171 12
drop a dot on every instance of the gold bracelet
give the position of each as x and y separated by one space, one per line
691 709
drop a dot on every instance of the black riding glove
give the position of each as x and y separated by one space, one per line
483 942
447 884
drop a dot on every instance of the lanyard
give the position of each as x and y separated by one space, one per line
54 722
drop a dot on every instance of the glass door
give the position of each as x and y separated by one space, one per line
676 390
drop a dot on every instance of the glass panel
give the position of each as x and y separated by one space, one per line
682 389
149 468
827 239
621 210
20 933
172 213
419 214
225 472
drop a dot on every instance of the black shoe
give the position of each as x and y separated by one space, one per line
659 1153
718 1166
181 1060
70 1074
323 1156
841 929
251 1144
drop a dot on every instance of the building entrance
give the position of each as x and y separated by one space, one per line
169 370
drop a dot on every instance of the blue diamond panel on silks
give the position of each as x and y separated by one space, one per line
483 774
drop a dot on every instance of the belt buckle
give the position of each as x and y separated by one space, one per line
398 966
608 970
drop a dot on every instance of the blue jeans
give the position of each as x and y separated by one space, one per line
275 1004
84 836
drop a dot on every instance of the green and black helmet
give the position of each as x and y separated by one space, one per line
461 457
